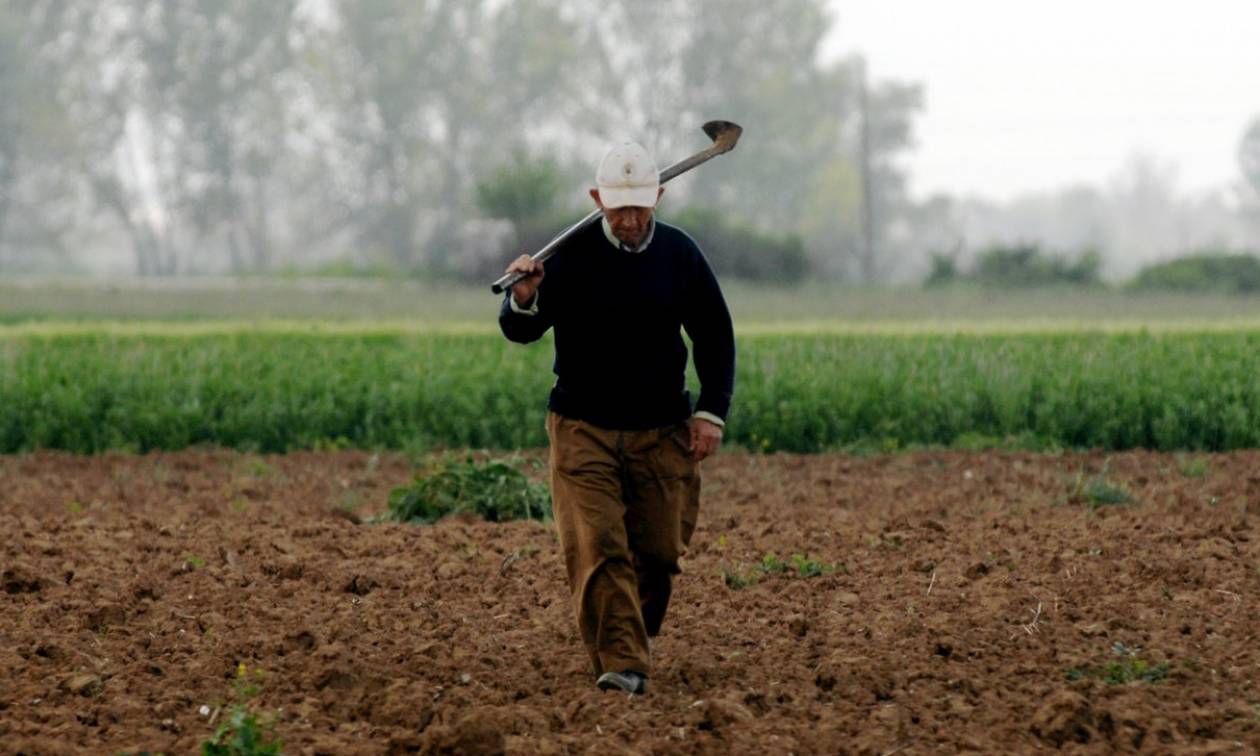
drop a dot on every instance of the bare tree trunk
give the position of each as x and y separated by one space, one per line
256 224
868 253
7 177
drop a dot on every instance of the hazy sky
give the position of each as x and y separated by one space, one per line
1034 96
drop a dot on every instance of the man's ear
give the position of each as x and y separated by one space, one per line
595 196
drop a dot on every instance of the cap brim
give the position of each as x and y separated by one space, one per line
625 196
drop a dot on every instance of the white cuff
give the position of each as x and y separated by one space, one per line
533 308
719 422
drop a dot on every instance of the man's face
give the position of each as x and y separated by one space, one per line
629 224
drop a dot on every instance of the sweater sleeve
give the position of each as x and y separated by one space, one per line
708 322
525 325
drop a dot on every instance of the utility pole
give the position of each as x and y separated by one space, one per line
867 256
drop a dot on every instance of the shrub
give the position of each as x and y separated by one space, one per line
1027 265
529 193
738 250
495 490
1205 272
944 270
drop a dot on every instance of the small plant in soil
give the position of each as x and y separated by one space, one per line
242 733
254 467
770 564
1196 467
495 490
807 567
1127 669
737 579
1097 491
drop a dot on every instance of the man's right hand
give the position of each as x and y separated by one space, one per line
523 291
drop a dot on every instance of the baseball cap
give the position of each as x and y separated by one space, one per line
627 176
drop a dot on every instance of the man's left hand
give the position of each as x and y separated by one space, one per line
705 438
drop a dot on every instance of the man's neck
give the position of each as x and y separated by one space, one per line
619 244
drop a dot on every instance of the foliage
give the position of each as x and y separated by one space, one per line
737 250
95 389
1017 267
1097 490
1129 668
1193 468
809 567
738 576
1028 265
943 270
242 733
1249 154
523 190
1205 272
528 192
495 490
269 130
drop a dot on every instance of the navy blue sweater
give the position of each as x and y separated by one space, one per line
620 357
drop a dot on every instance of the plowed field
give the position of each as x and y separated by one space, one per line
994 602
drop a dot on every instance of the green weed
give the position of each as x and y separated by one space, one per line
256 467
738 577
242 733
772 565
349 501
1196 467
1097 491
494 490
1128 669
806 567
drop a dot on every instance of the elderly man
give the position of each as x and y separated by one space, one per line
625 442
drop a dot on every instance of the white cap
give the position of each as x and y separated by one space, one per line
627 176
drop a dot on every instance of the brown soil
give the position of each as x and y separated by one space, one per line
133 588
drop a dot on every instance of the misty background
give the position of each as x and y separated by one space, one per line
440 138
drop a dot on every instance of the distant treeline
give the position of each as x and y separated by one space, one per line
427 138
1027 265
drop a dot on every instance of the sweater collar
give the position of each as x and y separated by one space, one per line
613 240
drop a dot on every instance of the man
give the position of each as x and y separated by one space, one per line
625 442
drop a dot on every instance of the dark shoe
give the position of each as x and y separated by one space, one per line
627 682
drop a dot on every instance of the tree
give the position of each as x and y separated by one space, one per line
1249 154
173 115
209 76
423 96
757 64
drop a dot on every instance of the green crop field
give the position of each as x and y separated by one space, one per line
89 388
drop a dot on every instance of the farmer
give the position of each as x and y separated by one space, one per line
625 442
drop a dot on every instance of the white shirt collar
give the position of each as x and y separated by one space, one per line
613 240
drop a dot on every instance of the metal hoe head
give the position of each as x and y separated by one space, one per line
723 133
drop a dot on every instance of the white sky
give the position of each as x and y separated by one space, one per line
1023 96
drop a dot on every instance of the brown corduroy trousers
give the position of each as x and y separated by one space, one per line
625 504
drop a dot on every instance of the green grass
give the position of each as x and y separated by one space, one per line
741 576
89 389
